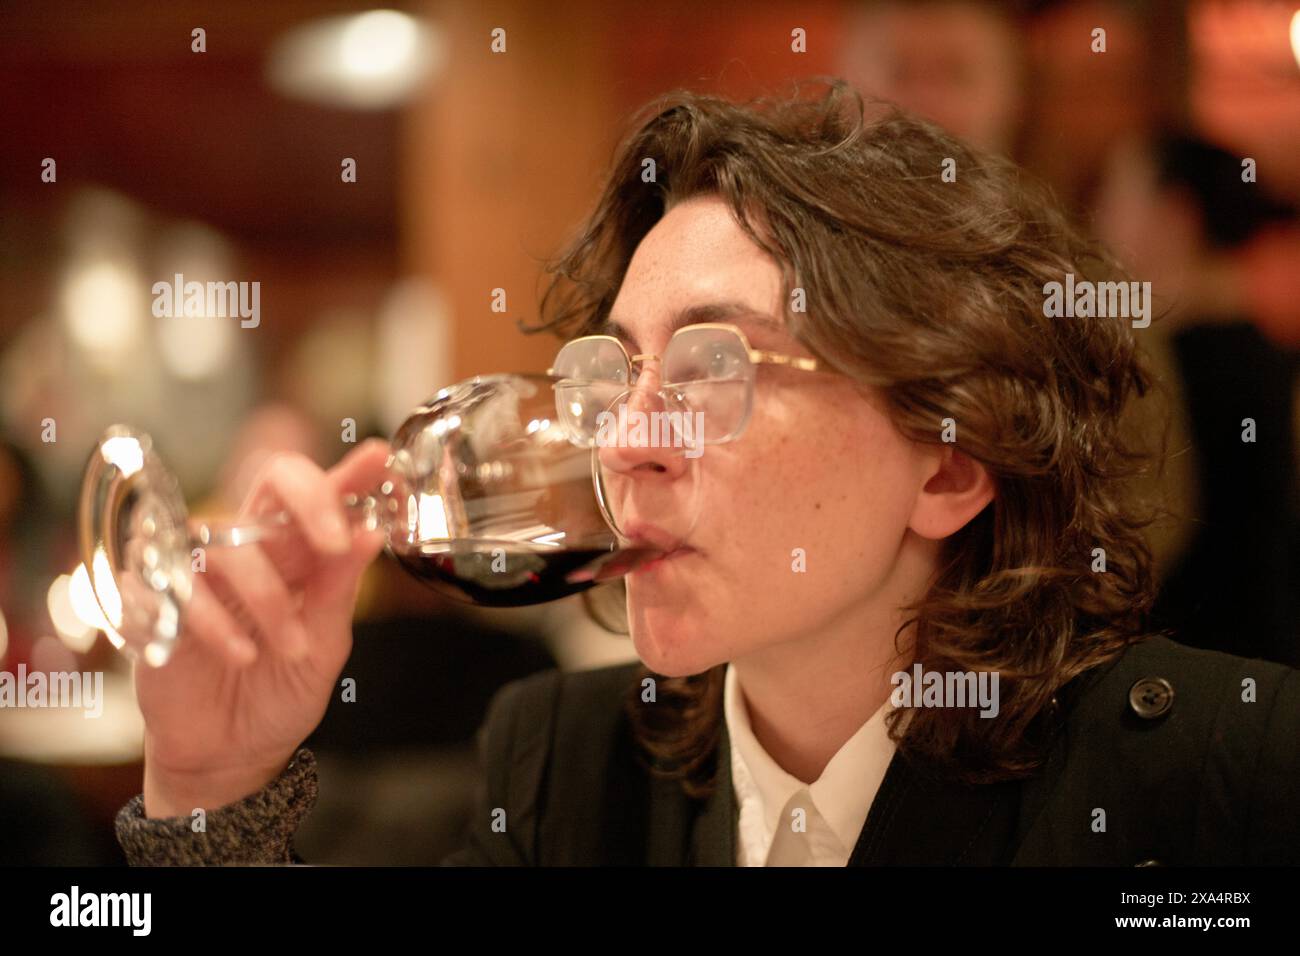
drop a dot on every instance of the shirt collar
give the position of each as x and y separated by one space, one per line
842 794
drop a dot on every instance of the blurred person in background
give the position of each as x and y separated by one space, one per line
1178 211
957 63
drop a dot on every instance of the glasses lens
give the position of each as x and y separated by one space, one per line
592 372
711 372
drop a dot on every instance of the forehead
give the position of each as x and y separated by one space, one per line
697 265
753 322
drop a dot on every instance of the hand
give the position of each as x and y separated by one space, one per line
264 640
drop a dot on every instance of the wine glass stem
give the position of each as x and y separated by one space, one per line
361 511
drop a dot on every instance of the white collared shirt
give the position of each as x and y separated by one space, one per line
772 831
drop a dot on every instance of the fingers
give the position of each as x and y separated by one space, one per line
332 590
256 598
209 620
360 472
362 469
250 578
297 484
313 497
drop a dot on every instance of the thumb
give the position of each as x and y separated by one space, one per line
333 589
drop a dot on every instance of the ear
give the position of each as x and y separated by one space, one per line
957 489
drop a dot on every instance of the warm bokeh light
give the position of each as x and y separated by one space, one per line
103 308
84 605
372 60
195 348
72 629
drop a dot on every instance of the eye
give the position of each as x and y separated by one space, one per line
695 358
591 360
700 362
719 362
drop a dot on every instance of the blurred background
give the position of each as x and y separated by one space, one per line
381 172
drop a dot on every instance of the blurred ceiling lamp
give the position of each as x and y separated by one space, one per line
103 308
1295 36
373 60
196 347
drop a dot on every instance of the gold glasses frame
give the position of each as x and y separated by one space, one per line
756 357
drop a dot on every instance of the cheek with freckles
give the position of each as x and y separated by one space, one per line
823 487
828 478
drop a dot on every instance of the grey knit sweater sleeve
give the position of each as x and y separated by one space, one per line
258 829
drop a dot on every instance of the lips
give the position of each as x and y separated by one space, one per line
659 562
642 534
645 535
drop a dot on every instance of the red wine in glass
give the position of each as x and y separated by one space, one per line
510 574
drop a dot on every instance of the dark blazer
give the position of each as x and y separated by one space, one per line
1160 739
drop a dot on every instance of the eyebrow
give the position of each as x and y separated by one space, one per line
725 311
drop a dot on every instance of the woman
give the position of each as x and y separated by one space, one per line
929 496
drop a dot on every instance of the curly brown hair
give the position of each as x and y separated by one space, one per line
933 291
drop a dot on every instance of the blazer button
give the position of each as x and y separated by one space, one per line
1151 697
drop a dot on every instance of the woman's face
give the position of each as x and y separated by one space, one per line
819 469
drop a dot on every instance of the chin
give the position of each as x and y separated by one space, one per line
670 644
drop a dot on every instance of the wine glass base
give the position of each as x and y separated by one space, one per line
134 543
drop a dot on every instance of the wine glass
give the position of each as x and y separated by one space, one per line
487 497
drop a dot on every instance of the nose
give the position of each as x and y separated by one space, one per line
647 445
646 370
